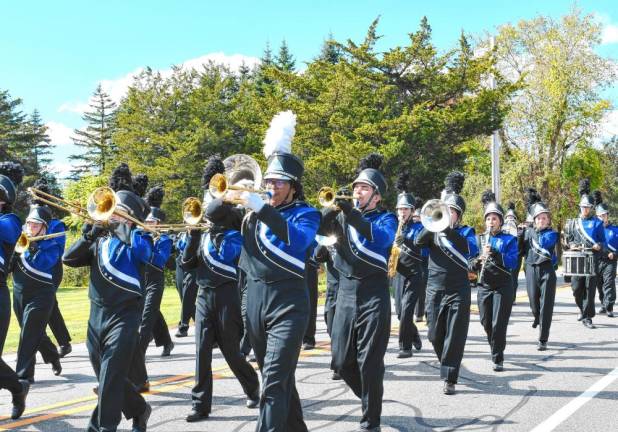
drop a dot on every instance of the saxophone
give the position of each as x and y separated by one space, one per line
395 251
484 241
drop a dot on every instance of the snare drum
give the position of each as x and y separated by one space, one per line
578 263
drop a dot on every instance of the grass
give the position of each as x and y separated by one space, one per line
75 307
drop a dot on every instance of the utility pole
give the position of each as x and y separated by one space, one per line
495 145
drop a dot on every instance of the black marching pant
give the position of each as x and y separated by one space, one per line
422 292
584 290
187 290
58 326
32 312
494 312
311 277
404 306
277 316
541 287
5 311
245 345
606 284
161 331
515 277
361 328
448 319
217 319
111 341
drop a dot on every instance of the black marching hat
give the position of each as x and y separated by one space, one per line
11 176
453 185
121 182
39 213
404 198
154 198
281 163
510 211
600 208
488 198
213 166
584 193
369 173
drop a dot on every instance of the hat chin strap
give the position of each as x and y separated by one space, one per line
362 209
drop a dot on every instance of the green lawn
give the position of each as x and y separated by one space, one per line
75 307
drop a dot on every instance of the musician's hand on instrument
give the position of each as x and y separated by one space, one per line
344 204
399 240
33 247
486 250
596 247
611 256
252 201
96 231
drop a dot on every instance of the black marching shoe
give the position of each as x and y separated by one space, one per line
610 314
253 401
196 415
588 323
167 349
542 346
404 353
602 310
417 344
335 376
65 350
19 400
498 367
307 346
535 323
56 367
144 388
580 317
182 332
373 429
449 388
140 423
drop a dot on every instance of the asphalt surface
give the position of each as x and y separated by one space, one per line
571 386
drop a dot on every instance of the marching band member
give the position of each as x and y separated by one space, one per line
537 244
186 287
495 283
606 281
34 294
361 325
448 287
154 284
116 256
419 311
214 256
11 175
410 270
510 220
586 231
311 278
277 240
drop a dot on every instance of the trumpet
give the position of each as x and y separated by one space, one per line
327 196
219 185
23 242
435 215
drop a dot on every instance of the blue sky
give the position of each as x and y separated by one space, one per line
55 53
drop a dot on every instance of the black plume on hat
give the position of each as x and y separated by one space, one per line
121 179
454 182
213 166
140 184
155 195
372 160
532 197
487 197
597 197
13 171
42 185
584 187
418 203
511 206
402 182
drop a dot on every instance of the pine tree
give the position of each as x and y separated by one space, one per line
266 61
12 145
285 60
330 52
96 139
40 145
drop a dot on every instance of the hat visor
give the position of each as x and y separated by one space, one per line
36 219
277 176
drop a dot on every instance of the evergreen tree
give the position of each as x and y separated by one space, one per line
40 145
330 52
285 60
262 80
96 139
12 145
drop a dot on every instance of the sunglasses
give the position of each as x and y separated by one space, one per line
277 184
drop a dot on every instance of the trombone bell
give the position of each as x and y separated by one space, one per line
435 215
101 204
192 211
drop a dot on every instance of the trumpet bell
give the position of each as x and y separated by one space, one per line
218 185
22 244
435 215
192 211
326 196
101 204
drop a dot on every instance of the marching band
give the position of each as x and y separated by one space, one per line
246 262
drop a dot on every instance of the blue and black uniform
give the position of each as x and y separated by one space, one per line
10 230
361 325
115 291
420 304
154 284
311 277
587 232
34 294
410 272
325 254
539 251
606 282
276 245
448 294
214 257
186 286
495 291
56 320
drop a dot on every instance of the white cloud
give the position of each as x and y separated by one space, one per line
59 133
117 88
610 34
61 169
609 126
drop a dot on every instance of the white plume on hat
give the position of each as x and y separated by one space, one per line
280 133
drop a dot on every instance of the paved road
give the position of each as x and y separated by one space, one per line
572 386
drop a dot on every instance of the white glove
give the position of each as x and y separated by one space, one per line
252 200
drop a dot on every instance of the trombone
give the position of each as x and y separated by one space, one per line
102 204
219 185
327 196
23 242
60 203
191 215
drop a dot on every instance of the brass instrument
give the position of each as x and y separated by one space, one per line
60 204
102 204
23 242
329 240
219 185
192 214
435 215
327 196
395 251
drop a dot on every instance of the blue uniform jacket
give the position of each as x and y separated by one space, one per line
56 226
215 255
32 271
161 251
611 236
502 260
411 256
539 247
10 230
587 231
